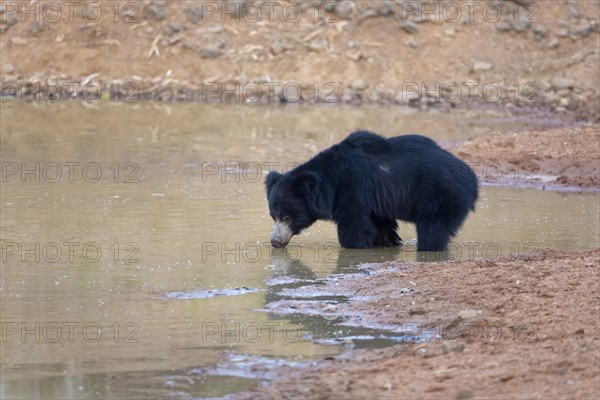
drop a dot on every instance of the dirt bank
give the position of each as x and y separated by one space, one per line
555 158
420 53
524 327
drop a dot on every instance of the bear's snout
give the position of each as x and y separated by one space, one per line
277 244
281 235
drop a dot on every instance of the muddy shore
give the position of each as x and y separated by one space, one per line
521 327
562 158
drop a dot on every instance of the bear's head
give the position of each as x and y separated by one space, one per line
296 200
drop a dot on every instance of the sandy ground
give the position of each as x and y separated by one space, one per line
524 327
523 53
555 158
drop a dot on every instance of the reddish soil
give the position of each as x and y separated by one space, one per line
524 328
553 158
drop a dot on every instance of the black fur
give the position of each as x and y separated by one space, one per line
367 182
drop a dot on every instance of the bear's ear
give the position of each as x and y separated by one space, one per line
271 179
318 194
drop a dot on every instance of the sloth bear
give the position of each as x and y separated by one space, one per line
367 182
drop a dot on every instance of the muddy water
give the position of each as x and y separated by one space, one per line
135 246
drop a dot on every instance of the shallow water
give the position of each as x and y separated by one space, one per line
136 258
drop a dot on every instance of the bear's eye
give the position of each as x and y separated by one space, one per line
287 219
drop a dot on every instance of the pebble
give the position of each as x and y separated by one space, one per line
553 43
317 44
466 314
36 27
211 51
411 42
173 28
359 84
585 30
453 347
450 32
559 83
540 32
521 25
551 98
194 14
409 27
18 40
344 9
8 21
354 55
385 9
481 66
155 11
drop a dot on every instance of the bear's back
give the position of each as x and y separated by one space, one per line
373 143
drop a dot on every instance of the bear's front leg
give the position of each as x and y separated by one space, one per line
357 233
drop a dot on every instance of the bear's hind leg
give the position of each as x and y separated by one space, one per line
433 236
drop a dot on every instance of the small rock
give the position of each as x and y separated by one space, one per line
464 394
6 22
466 314
453 347
450 32
211 51
8 68
194 14
409 27
559 83
359 84
18 40
411 42
540 32
344 9
521 25
585 30
355 55
551 98
317 44
155 11
175 39
385 9
504 26
219 28
36 28
573 13
173 28
406 290
553 43
481 66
